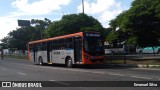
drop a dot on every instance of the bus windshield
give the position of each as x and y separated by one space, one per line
93 44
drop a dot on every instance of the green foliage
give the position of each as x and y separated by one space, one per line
5 43
147 25
140 24
40 26
19 38
112 37
73 23
132 40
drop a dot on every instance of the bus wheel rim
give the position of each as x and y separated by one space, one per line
40 61
69 63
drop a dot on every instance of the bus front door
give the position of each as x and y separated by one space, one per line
33 53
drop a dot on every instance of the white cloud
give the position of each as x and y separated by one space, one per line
104 10
98 6
40 7
23 9
7 24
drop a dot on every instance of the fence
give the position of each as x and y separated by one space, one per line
17 56
133 59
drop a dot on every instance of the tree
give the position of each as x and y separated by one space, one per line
20 37
40 26
5 42
73 23
112 38
145 21
140 24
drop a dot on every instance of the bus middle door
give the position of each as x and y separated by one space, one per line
78 49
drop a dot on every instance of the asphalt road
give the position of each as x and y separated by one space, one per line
22 70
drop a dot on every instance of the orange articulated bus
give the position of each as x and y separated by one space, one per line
78 48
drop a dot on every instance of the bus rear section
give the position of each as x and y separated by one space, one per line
77 48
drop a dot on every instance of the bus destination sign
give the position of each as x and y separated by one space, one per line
92 35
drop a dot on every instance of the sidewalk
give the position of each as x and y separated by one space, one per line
136 65
148 66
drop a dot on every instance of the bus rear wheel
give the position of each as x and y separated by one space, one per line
40 61
69 63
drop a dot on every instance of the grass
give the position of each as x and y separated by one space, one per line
16 56
121 59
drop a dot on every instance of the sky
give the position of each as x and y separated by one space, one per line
13 10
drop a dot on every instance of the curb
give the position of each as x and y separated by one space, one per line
135 65
148 66
122 65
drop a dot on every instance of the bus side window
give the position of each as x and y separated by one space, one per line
69 43
62 43
55 44
39 46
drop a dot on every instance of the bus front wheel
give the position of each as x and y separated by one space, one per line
40 61
69 63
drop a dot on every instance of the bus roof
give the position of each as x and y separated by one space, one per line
58 37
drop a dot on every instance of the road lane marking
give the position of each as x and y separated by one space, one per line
116 74
66 69
151 69
4 69
60 82
21 73
140 77
99 72
46 67
78 70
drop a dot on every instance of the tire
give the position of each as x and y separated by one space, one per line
40 61
159 51
69 63
140 52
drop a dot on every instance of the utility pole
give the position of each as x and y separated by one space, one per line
83 6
